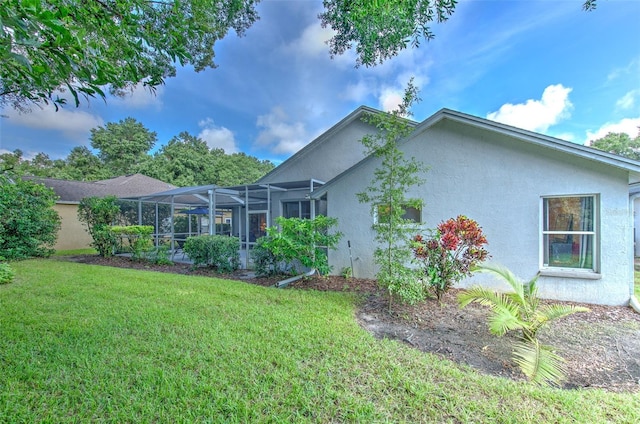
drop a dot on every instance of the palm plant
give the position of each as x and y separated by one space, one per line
521 310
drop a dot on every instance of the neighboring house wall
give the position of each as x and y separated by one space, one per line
73 234
499 181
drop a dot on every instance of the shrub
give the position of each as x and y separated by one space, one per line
28 223
6 273
138 238
521 310
99 213
220 252
159 255
304 241
455 247
265 263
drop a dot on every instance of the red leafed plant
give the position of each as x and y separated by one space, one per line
449 254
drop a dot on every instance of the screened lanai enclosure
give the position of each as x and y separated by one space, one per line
243 211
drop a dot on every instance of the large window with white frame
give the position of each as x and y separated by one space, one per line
570 232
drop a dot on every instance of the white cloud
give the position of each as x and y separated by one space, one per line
73 124
312 41
279 135
357 92
218 137
139 97
537 115
390 98
628 101
630 126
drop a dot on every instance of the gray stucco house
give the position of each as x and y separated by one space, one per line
547 206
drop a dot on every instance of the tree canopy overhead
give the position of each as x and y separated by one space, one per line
82 46
78 46
380 29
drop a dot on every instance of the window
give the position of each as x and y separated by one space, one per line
569 232
409 213
297 209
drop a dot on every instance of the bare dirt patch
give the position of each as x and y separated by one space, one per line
601 347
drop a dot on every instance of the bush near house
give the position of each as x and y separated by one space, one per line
28 223
99 213
297 240
454 248
137 238
220 252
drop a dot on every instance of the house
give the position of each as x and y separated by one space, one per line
547 206
73 233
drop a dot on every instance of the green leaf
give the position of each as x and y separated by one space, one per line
539 363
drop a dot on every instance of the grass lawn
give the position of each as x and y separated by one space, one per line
636 279
83 343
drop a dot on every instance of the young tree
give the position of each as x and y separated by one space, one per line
387 196
122 145
619 144
521 310
28 223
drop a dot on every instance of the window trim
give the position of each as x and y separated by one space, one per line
569 272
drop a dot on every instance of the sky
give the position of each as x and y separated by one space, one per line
542 65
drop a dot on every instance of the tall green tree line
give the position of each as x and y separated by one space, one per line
124 148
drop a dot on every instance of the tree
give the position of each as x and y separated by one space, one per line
99 213
122 145
380 29
620 144
83 165
386 195
83 47
28 223
80 46
184 161
11 162
240 168
187 160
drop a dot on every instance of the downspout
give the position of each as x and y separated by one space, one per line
633 300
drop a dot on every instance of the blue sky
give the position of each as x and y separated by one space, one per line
542 65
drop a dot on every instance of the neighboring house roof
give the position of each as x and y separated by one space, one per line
134 185
126 186
525 136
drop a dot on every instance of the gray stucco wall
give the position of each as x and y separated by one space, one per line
499 182
331 154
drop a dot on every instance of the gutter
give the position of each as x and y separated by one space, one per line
285 283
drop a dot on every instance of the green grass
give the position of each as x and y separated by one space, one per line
87 251
82 343
636 279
